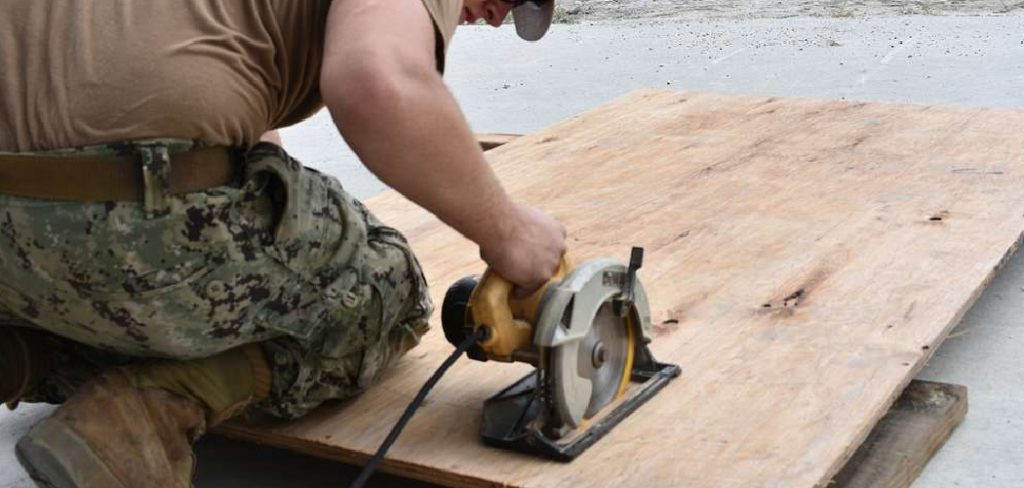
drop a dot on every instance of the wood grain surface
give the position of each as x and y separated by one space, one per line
804 259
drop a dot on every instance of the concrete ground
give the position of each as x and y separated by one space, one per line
508 86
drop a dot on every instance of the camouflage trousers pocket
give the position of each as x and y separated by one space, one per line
362 367
315 224
356 321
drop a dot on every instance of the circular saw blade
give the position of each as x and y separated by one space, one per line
591 373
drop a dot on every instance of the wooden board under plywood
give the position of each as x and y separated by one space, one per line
804 258
903 442
490 141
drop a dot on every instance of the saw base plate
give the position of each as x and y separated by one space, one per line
518 417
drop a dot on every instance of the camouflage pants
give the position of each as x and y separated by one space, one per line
285 258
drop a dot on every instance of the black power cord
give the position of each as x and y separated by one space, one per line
413 406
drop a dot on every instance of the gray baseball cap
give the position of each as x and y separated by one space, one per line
533 17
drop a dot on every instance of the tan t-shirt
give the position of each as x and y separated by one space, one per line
80 72
445 14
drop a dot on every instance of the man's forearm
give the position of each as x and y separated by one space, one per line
411 134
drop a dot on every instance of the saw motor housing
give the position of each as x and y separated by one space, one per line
569 330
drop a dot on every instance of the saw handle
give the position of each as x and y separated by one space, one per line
509 320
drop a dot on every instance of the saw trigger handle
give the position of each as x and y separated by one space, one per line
509 320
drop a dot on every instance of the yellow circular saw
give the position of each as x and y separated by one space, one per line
586 332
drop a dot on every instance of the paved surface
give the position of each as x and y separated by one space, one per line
583 10
508 86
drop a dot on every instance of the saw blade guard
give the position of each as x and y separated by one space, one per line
590 344
586 288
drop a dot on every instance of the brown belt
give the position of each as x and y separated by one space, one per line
91 178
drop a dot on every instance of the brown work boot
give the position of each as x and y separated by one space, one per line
111 434
134 426
22 362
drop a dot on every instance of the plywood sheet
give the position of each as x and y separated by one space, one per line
804 258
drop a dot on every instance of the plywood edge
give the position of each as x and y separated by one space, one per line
906 438
241 431
894 454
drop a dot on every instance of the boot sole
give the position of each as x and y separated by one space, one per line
55 457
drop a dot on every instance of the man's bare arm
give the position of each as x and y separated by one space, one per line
272 136
380 83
